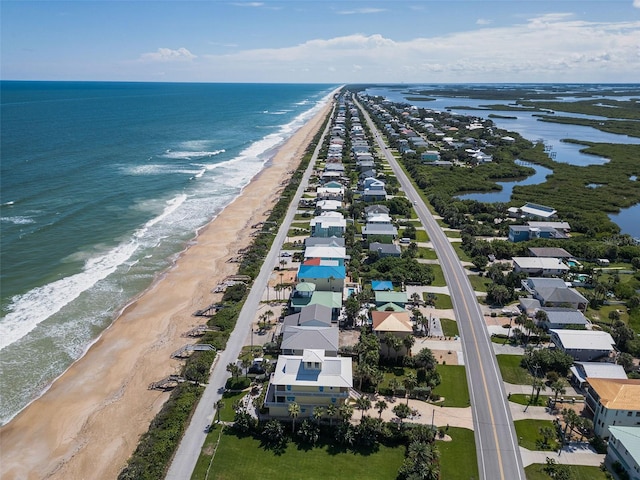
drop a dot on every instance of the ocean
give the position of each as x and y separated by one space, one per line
102 186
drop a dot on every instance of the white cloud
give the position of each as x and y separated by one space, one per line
636 3
361 11
168 55
554 47
483 21
248 4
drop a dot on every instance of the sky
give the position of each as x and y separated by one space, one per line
322 41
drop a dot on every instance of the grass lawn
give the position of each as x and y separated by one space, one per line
458 460
462 255
449 327
421 236
528 431
583 472
523 399
427 253
438 280
453 387
243 458
479 283
227 413
452 233
511 370
443 301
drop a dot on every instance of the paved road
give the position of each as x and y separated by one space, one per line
496 441
190 446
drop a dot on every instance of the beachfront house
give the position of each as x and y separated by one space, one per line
311 380
324 241
329 224
613 402
338 254
327 278
315 315
296 339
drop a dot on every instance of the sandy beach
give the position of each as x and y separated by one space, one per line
88 423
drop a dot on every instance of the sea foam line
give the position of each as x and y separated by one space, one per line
30 309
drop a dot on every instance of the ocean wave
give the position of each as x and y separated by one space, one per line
188 154
18 220
28 310
159 169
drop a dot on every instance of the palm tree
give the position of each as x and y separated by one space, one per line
346 412
538 385
318 412
408 342
410 382
394 385
268 314
363 403
234 370
559 388
219 406
246 363
294 411
332 410
388 340
396 344
381 405
415 298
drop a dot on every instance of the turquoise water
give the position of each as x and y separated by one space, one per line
103 184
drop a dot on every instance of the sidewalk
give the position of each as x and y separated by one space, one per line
426 412
572 454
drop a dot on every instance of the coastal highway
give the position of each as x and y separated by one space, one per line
496 441
185 458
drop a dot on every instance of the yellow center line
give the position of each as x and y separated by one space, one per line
484 380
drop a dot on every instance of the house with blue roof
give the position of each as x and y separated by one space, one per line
327 278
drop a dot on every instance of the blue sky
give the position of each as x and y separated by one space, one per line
322 41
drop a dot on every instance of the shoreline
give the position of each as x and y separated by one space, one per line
89 420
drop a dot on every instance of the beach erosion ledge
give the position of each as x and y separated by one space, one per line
89 421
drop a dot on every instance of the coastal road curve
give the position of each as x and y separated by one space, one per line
496 441
188 452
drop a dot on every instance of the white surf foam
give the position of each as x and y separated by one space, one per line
189 154
18 220
28 310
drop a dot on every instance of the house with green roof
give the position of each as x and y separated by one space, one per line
385 296
624 448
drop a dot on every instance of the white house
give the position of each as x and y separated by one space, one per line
583 345
614 402
310 380
540 266
329 224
